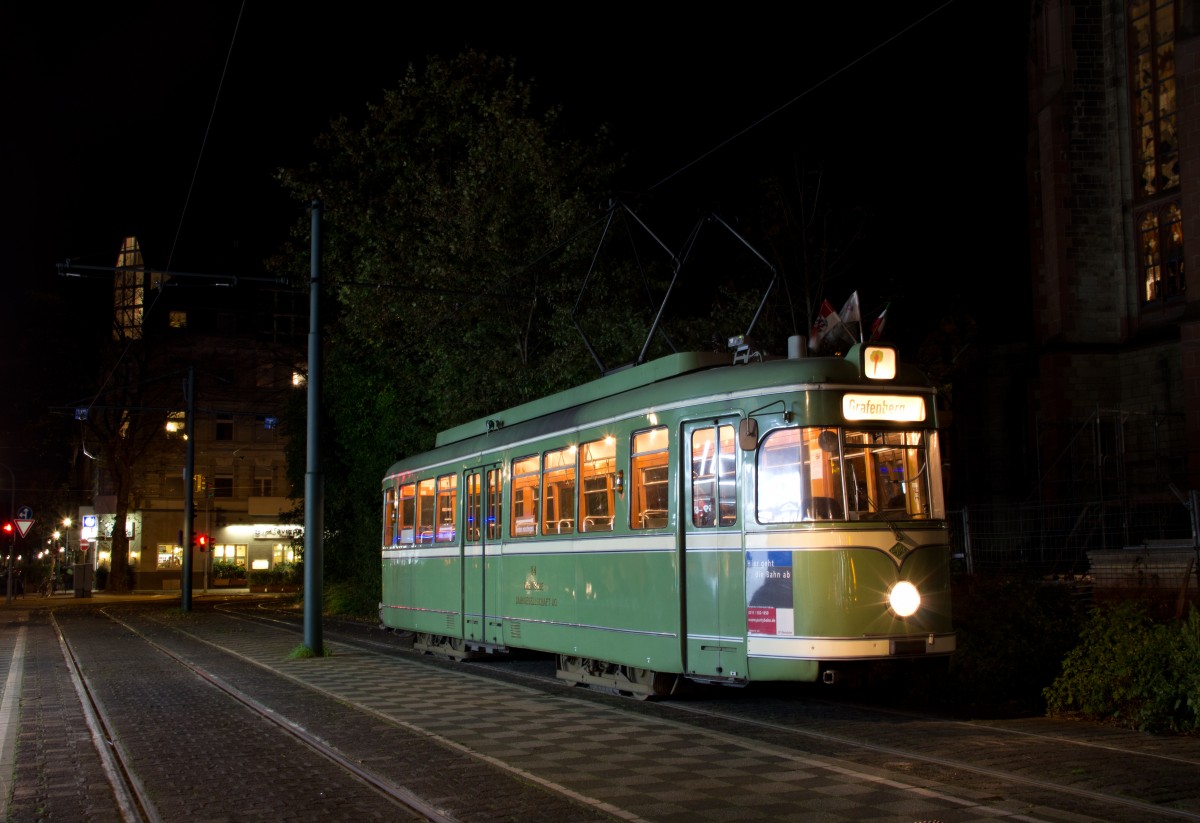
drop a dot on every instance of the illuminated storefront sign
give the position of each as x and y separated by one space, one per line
278 532
883 407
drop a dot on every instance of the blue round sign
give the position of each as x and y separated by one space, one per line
25 513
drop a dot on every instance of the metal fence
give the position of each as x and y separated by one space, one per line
1057 538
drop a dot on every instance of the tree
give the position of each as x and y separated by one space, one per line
452 255
127 415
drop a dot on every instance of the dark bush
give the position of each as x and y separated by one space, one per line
284 573
228 569
1132 670
351 600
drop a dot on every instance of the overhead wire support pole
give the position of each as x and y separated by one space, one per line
189 473
12 544
314 491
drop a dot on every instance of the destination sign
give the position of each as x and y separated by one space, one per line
900 408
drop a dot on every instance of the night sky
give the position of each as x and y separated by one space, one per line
915 111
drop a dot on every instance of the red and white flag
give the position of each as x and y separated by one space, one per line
820 328
877 326
827 323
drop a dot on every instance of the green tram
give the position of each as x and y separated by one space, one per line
723 522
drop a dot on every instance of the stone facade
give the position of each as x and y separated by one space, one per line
1118 376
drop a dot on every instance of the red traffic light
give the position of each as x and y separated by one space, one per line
200 541
8 528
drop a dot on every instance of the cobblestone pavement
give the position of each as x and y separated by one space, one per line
481 749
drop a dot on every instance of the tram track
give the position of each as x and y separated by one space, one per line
1097 768
134 793
129 794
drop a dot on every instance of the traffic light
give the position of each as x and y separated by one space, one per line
200 541
8 528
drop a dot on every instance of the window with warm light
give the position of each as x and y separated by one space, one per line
649 492
169 557
597 466
558 496
1154 105
230 551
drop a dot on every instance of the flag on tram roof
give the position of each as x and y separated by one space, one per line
850 314
877 324
826 328
826 318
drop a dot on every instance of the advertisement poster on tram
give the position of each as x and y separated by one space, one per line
770 604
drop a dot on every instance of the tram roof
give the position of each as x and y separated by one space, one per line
617 382
814 370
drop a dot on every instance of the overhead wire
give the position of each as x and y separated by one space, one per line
746 130
827 78
207 130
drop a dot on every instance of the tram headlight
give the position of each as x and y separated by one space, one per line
904 598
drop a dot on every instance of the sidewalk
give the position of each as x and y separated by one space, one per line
67 598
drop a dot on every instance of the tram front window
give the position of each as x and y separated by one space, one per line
798 476
818 473
885 474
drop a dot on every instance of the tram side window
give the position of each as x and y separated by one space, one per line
798 476
426 508
407 512
525 484
649 492
447 493
389 516
558 496
714 477
597 467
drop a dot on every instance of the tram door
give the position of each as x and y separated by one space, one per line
481 536
713 565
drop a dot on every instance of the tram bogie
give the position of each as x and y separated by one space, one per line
644 684
686 518
455 648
